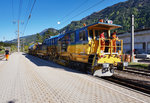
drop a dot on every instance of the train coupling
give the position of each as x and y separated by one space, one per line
105 71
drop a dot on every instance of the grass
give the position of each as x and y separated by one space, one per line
2 52
139 65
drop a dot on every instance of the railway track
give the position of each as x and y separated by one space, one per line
130 78
137 79
140 85
138 69
142 72
134 84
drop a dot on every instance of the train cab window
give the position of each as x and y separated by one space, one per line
72 37
90 35
97 34
82 35
67 38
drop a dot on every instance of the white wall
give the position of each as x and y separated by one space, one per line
126 48
148 46
138 46
139 38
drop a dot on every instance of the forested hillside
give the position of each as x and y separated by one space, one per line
120 14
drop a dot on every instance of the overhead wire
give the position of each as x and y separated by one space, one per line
12 9
27 9
20 9
32 8
85 10
13 16
78 7
29 16
66 15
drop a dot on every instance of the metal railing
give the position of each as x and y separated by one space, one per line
109 48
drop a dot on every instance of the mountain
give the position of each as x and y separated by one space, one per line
120 14
33 38
48 30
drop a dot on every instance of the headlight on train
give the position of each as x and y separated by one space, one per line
125 64
105 65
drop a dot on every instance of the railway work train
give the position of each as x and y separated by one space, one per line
91 49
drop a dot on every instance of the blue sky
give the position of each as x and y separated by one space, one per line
45 14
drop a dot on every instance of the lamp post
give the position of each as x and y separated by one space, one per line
132 38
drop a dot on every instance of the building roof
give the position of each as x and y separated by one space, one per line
137 30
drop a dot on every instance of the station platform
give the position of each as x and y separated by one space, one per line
28 79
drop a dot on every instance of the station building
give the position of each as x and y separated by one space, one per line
141 41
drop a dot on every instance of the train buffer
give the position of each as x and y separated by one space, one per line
28 79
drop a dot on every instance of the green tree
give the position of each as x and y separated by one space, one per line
1 48
13 48
47 34
38 38
26 47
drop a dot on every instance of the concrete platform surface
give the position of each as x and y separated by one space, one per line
28 79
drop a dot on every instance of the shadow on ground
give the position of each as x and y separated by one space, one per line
41 62
3 60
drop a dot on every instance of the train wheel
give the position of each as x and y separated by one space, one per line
111 70
120 67
83 68
89 69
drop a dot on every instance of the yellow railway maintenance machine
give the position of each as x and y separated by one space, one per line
105 51
91 48
101 58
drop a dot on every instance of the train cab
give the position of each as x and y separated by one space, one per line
105 48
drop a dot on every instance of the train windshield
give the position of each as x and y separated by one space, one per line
90 35
97 33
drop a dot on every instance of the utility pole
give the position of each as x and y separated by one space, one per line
23 44
18 38
132 39
18 34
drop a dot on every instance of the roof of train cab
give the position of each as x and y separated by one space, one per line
104 26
